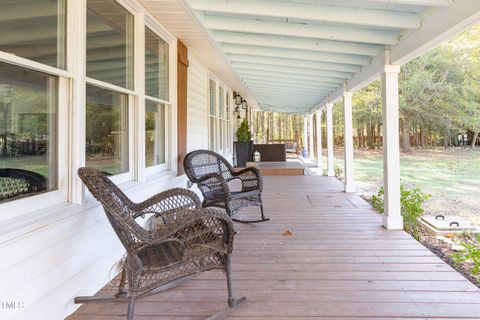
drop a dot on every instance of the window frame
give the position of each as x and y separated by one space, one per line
71 126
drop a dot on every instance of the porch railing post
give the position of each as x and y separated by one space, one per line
318 122
392 218
310 137
330 171
305 133
348 141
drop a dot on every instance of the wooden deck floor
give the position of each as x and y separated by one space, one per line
338 264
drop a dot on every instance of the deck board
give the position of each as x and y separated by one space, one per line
338 264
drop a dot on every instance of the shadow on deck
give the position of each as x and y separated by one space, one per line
339 264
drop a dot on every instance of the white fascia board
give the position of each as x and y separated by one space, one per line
357 35
295 63
299 54
314 13
321 45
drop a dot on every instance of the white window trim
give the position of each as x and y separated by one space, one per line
227 140
71 109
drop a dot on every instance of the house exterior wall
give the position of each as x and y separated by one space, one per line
64 250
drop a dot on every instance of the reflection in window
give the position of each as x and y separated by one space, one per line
156 66
28 124
109 43
221 109
38 35
154 133
106 130
212 118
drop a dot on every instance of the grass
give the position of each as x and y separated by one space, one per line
450 176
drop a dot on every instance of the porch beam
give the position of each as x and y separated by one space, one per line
349 34
294 63
315 13
292 77
348 141
318 122
252 83
423 3
392 218
275 41
262 67
299 54
330 156
310 137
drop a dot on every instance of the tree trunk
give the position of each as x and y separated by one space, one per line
474 139
406 134
423 135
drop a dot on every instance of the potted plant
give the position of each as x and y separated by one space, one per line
244 145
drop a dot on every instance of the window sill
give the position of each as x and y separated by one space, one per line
43 218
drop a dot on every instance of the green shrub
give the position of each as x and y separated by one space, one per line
243 132
338 172
411 201
470 254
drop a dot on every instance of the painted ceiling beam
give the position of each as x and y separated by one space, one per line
274 41
295 63
304 86
287 88
283 104
292 76
261 67
291 91
261 94
308 12
351 34
295 54
423 3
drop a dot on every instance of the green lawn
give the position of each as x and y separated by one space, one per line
451 177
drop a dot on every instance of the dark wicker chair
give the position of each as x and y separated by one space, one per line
186 240
212 173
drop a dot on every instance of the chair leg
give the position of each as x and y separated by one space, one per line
261 210
131 306
121 287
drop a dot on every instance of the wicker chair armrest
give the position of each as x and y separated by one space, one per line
192 225
214 180
251 178
167 201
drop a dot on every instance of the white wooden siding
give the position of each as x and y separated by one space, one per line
197 105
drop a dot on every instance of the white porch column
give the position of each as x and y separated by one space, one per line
348 141
305 133
392 218
330 171
318 122
310 137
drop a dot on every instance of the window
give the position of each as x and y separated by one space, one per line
228 133
109 43
221 116
154 134
28 132
39 35
156 66
156 91
106 130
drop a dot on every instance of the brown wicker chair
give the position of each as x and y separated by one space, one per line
212 173
186 240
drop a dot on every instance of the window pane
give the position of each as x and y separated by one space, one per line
221 106
221 134
154 133
109 43
227 103
212 98
106 130
212 134
28 124
156 66
34 30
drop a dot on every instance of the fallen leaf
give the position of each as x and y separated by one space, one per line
287 233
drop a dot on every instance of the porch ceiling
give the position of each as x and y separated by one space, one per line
293 54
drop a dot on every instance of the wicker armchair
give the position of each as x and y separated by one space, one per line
186 240
212 173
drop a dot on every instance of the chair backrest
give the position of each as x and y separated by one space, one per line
199 163
116 205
